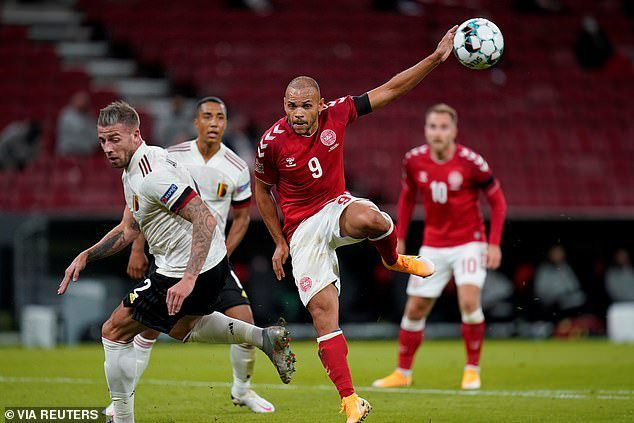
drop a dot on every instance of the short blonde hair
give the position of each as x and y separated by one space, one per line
119 112
443 108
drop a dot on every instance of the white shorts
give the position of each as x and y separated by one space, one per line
466 262
312 248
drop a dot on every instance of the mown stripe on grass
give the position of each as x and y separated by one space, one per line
602 394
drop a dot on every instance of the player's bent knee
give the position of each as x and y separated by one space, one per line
469 306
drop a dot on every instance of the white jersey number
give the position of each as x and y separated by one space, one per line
438 192
315 168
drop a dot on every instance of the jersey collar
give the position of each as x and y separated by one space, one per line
219 154
136 157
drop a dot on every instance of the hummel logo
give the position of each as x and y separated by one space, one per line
290 162
231 327
333 147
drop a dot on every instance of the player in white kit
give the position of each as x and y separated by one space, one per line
224 184
179 297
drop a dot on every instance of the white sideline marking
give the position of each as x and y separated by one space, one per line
603 394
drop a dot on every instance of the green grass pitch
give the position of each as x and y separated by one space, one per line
523 381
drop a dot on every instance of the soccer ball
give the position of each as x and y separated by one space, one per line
478 43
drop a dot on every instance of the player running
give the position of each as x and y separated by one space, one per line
225 183
449 178
302 154
191 265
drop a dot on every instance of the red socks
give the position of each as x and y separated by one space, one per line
473 334
408 343
386 244
333 350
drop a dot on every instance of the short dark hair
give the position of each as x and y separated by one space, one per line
210 99
301 82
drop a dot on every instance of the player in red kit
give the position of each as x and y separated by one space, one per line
449 178
302 154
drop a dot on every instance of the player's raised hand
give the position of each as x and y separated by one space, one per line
494 256
279 258
137 265
72 272
446 44
177 293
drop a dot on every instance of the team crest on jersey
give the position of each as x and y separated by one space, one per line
328 137
135 203
222 190
305 283
290 162
422 176
455 180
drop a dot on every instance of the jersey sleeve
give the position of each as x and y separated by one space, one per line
348 109
168 188
241 196
265 163
480 171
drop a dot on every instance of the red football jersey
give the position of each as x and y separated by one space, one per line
308 170
450 195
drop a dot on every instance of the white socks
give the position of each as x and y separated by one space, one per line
216 328
120 368
143 348
243 361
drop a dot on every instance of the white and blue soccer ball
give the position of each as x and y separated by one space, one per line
478 43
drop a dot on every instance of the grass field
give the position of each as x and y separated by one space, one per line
580 381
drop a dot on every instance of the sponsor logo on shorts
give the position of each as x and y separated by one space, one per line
168 194
328 137
305 283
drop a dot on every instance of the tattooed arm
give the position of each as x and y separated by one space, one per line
204 225
117 239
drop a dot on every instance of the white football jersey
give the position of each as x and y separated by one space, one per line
223 181
155 189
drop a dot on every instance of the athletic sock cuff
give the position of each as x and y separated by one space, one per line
412 325
115 345
144 343
473 318
329 336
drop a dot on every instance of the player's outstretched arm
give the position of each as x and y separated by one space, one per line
268 210
405 81
203 228
241 220
116 240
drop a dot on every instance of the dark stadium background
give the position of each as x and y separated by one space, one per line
553 119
